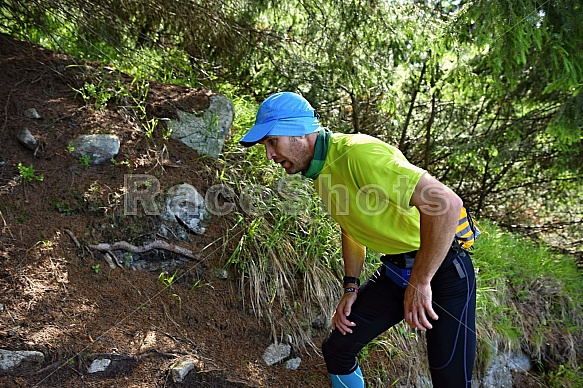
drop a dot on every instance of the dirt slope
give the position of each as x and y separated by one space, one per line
64 300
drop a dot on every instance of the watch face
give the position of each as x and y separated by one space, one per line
351 279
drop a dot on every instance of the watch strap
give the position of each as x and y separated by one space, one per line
351 279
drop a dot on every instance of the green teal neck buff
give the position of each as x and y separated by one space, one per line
320 151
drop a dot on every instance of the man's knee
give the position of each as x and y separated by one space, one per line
338 353
328 348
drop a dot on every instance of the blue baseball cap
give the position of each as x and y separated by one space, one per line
282 114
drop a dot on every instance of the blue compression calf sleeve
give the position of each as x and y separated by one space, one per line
353 380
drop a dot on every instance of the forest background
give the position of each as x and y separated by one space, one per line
486 95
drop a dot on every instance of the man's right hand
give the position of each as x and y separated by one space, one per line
339 319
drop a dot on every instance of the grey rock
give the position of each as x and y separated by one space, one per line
181 368
499 371
185 212
99 365
168 266
10 360
206 131
109 260
293 363
108 365
321 322
276 353
98 147
31 113
424 381
26 138
519 362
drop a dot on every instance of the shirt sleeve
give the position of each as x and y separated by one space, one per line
384 170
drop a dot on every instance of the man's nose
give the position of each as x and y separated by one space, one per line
269 152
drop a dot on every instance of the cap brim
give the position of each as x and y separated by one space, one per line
294 126
256 133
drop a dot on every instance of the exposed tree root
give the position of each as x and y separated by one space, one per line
72 235
158 244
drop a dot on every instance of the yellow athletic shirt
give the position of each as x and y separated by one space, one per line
366 186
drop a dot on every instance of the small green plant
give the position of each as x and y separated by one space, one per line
99 94
95 268
70 148
61 206
212 125
85 160
127 259
86 92
29 173
141 185
116 163
566 376
167 280
150 126
168 129
138 94
198 284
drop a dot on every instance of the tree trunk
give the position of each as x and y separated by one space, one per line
430 123
402 141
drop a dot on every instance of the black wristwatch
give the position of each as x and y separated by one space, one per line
351 279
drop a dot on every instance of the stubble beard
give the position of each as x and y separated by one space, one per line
304 159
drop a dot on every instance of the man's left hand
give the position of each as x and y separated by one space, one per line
418 306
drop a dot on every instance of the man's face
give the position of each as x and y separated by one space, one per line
290 151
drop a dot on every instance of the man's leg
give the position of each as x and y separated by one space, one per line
352 380
451 344
379 305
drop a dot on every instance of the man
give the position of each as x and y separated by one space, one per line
382 202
